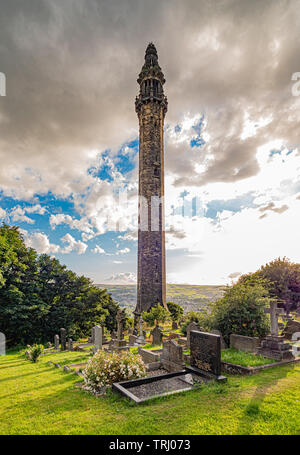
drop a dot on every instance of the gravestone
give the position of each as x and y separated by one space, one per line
56 342
141 338
206 354
243 343
132 340
70 344
120 321
217 332
157 335
191 326
273 346
172 356
2 344
291 328
63 340
98 337
93 335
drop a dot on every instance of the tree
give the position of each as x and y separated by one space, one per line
157 313
38 295
176 311
282 279
241 311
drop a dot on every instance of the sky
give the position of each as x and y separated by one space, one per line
69 132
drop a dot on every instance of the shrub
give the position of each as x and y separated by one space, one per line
103 369
176 311
202 319
241 311
34 352
157 314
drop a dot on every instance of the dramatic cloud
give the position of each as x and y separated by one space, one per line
67 125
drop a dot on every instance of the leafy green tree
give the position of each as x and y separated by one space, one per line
176 311
241 311
157 314
282 279
38 295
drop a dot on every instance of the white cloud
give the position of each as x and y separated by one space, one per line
2 213
123 251
40 242
73 245
122 278
98 250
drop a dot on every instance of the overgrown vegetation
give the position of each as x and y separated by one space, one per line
241 310
156 315
38 295
34 352
281 278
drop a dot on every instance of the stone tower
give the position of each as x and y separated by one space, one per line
151 107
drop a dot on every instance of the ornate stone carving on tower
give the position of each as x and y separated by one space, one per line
151 107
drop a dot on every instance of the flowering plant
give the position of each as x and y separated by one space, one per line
104 368
34 352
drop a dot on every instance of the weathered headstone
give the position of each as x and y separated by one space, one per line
291 328
217 332
70 344
93 335
243 343
190 327
273 346
98 337
172 356
63 339
157 335
132 340
206 353
120 321
2 344
141 338
56 342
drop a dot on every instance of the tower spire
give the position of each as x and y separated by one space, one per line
151 107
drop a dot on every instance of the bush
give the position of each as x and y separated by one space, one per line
34 352
103 369
202 319
157 314
241 311
176 311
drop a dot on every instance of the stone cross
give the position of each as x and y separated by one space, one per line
274 313
56 342
98 337
120 321
63 340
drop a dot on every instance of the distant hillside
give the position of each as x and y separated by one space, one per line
190 297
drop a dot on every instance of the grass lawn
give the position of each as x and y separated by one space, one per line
40 399
245 359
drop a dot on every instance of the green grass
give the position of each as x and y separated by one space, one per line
41 399
245 359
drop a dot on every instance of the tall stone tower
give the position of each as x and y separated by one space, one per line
151 107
